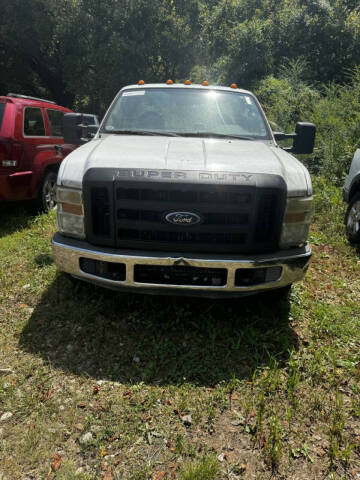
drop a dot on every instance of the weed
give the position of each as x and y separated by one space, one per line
205 468
141 473
293 378
273 447
260 413
183 447
339 447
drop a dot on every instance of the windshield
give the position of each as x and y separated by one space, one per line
187 112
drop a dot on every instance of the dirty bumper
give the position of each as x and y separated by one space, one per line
193 274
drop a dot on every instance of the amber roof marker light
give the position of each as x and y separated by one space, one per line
141 82
205 83
169 82
233 85
187 82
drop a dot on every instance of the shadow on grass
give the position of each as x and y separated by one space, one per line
90 331
15 216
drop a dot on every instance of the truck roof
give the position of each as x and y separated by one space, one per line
182 85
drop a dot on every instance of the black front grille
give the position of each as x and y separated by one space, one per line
183 196
131 213
100 210
209 217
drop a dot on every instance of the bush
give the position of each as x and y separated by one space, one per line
335 110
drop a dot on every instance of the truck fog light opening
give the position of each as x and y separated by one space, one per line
109 270
248 277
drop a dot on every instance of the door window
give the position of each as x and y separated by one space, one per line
33 122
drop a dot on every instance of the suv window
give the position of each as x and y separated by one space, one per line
33 122
55 120
2 111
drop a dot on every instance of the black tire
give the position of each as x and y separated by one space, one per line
75 282
46 199
279 294
284 292
352 220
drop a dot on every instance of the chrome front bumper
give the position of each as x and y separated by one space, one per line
67 253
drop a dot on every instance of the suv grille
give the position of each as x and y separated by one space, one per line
234 218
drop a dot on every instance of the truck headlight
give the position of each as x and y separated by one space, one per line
296 223
70 212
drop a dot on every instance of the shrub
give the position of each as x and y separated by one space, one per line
335 110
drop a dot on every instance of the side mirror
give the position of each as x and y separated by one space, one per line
79 128
304 138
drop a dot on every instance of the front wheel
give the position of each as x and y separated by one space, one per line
46 200
352 220
282 293
277 294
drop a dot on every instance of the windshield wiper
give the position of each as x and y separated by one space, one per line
142 132
216 135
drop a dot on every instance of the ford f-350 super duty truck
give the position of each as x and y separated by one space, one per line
184 190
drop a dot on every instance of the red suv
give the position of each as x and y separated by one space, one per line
31 149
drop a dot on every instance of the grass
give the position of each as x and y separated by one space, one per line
99 382
203 469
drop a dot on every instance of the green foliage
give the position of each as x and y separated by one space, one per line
273 445
334 109
204 469
302 58
82 52
288 98
250 39
337 116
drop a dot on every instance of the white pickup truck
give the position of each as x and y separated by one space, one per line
184 190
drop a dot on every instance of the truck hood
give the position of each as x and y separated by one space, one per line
183 154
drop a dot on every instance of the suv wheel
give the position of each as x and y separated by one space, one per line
352 220
46 200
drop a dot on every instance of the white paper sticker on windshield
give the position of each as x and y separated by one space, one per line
248 100
134 93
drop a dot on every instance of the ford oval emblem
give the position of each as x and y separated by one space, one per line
185 219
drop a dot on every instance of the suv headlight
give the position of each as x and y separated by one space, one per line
296 223
70 212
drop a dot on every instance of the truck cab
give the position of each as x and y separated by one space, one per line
31 149
184 190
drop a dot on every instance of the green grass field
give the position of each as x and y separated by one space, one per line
102 385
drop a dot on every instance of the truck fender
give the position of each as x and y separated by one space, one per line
45 160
